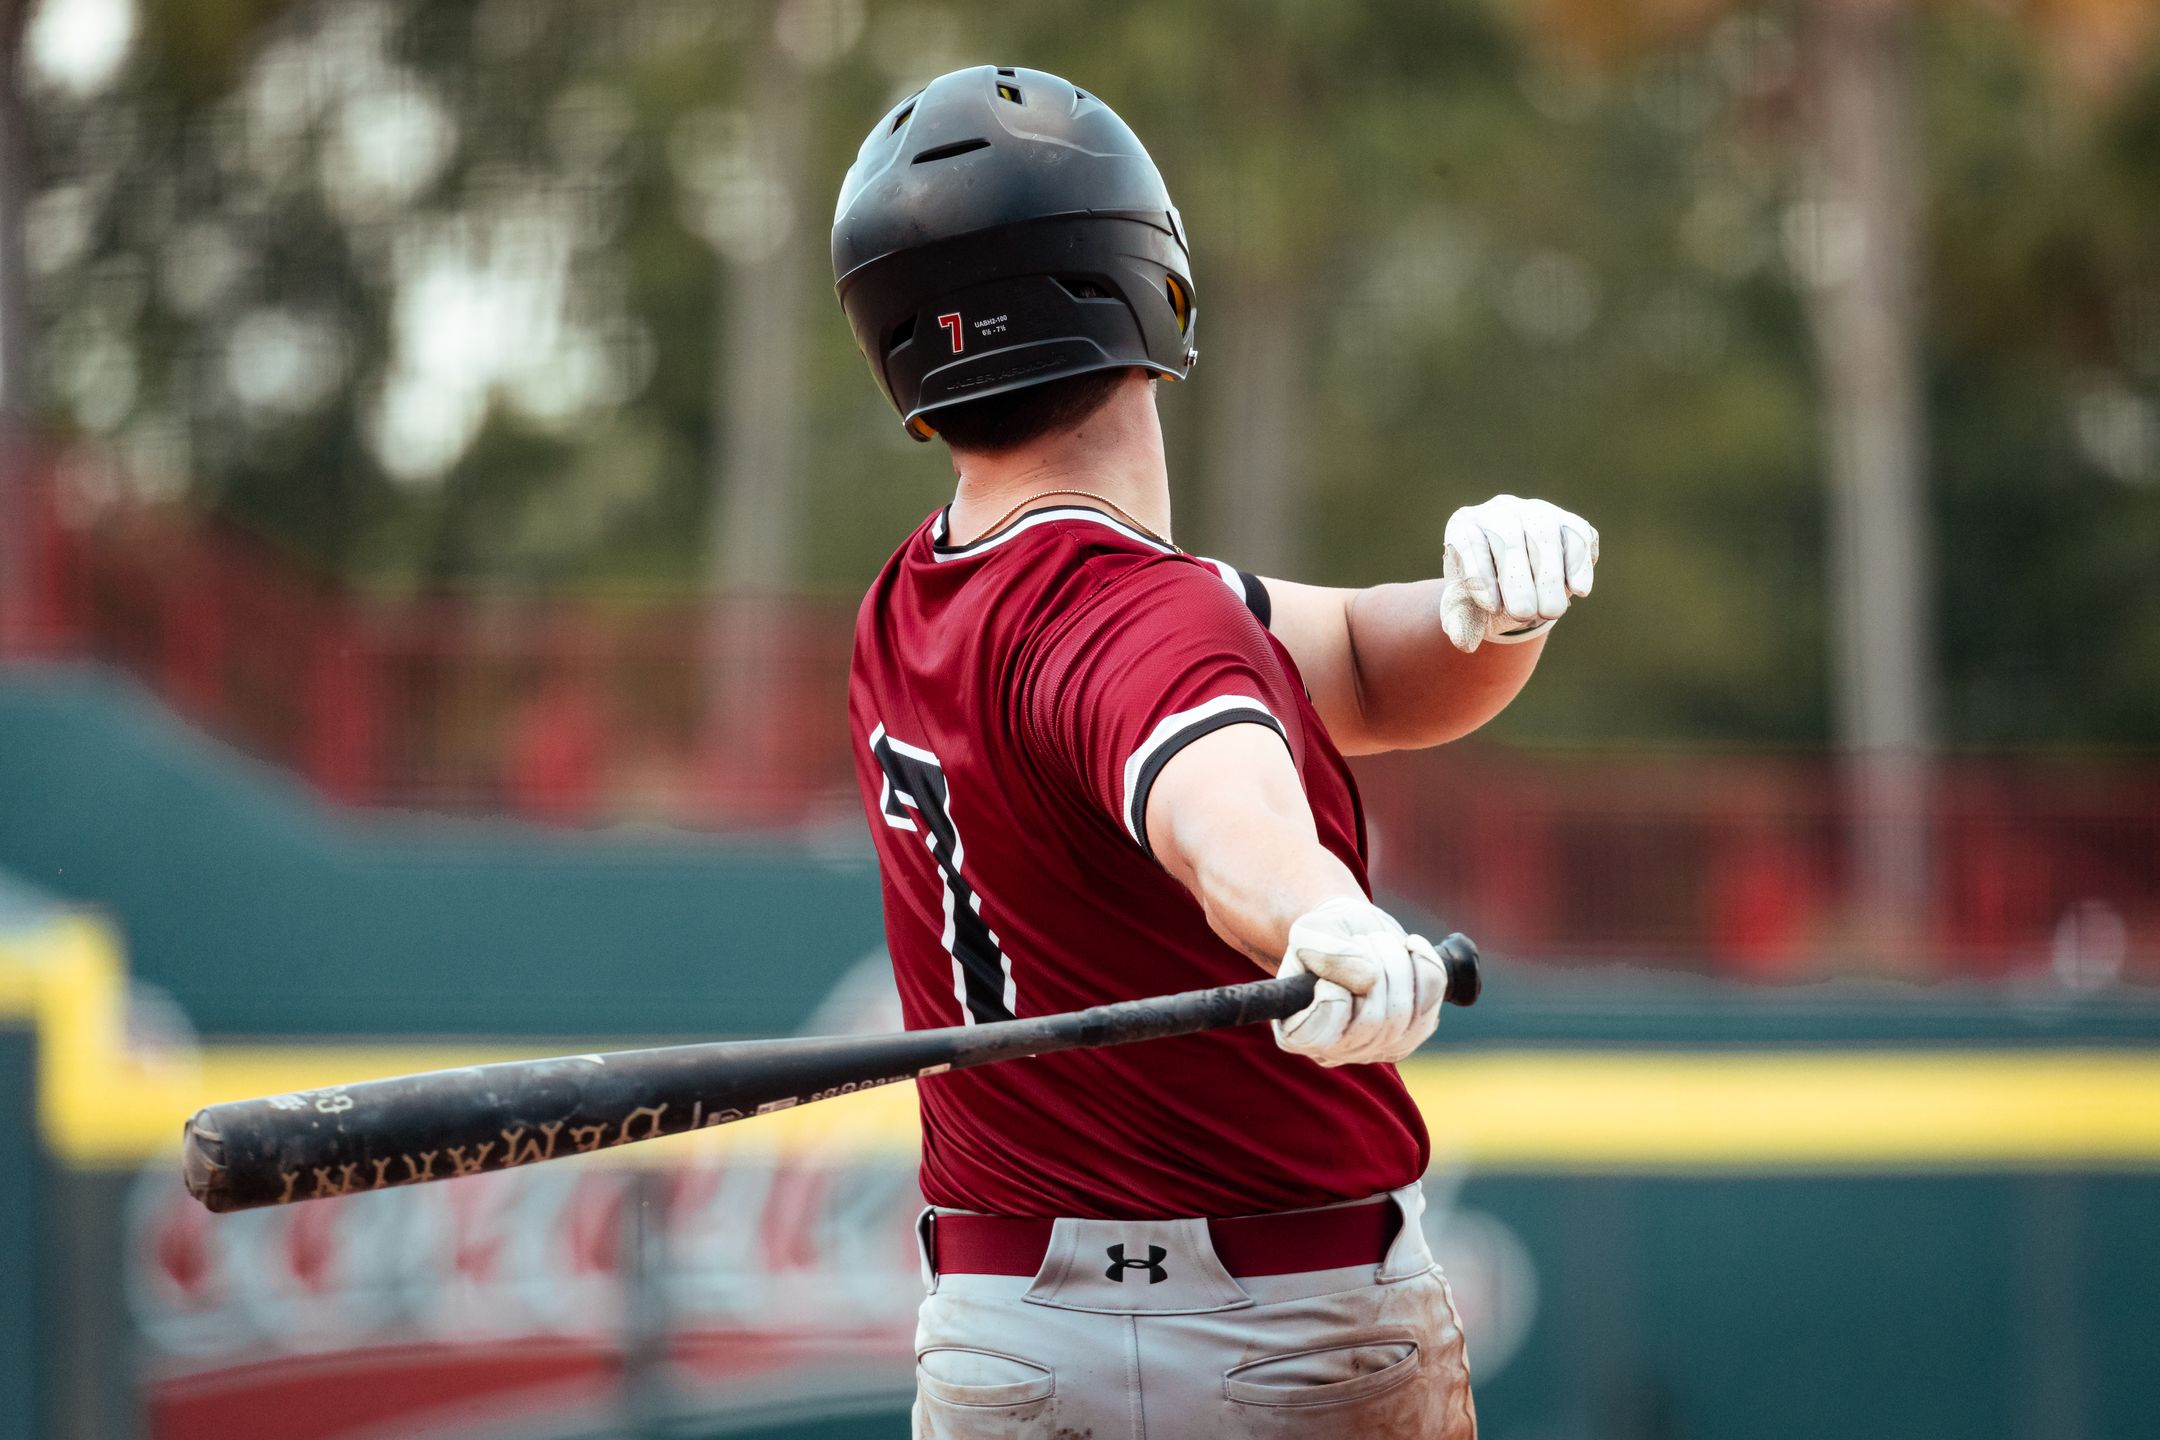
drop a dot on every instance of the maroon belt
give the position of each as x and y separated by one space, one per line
1283 1244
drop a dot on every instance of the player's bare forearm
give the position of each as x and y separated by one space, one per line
1381 669
1401 666
1227 817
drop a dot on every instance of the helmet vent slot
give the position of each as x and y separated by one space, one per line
946 152
901 118
901 335
1180 303
1008 72
1081 289
1012 93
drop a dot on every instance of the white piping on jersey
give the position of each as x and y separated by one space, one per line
913 752
940 552
1168 730
886 793
1231 578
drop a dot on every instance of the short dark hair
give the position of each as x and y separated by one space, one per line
1008 421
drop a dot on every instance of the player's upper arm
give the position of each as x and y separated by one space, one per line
1162 657
1227 782
1313 624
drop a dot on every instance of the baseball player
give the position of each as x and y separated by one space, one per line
1099 768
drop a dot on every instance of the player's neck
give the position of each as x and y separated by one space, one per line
1116 453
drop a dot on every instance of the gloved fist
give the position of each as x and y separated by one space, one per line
1377 990
1509 567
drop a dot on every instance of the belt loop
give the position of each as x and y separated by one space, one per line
926 1247
1409 1256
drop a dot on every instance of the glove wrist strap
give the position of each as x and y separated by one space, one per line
1505 629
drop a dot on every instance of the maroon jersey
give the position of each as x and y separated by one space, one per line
1012 702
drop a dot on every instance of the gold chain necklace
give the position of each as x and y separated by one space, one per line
1124 514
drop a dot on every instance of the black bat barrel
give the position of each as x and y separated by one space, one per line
378 1134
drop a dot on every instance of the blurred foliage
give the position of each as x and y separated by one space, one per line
429 294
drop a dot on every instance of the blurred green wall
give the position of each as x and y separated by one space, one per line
1969 1307
264 912
21 1178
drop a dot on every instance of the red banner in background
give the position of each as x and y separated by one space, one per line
578 1298
569 1293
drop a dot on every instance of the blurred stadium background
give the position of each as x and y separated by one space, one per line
435 482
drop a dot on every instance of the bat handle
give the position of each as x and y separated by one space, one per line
1458 955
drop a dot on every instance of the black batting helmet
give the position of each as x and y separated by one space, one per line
1002 228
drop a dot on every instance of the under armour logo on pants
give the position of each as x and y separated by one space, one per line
1153 1264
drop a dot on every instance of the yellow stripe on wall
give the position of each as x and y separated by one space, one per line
101 1105
1807 1109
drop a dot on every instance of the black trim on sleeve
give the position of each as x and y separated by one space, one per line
1176 741
1257 598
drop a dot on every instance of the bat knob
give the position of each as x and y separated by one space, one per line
202 1152
1458 952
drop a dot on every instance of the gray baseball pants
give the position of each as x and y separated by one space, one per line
1360 1351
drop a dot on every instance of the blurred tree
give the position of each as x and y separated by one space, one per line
766 253
18 555
1853 236
1860 272
1858 243
2046 390
756 206
431 294
356 276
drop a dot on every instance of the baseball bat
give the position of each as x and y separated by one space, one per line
380 1134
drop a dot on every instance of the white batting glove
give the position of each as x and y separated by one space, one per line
1377 991
1509 567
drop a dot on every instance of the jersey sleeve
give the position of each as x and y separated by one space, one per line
1163 655
1250 589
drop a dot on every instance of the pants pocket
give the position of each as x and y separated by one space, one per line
1333 1375
981 1379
